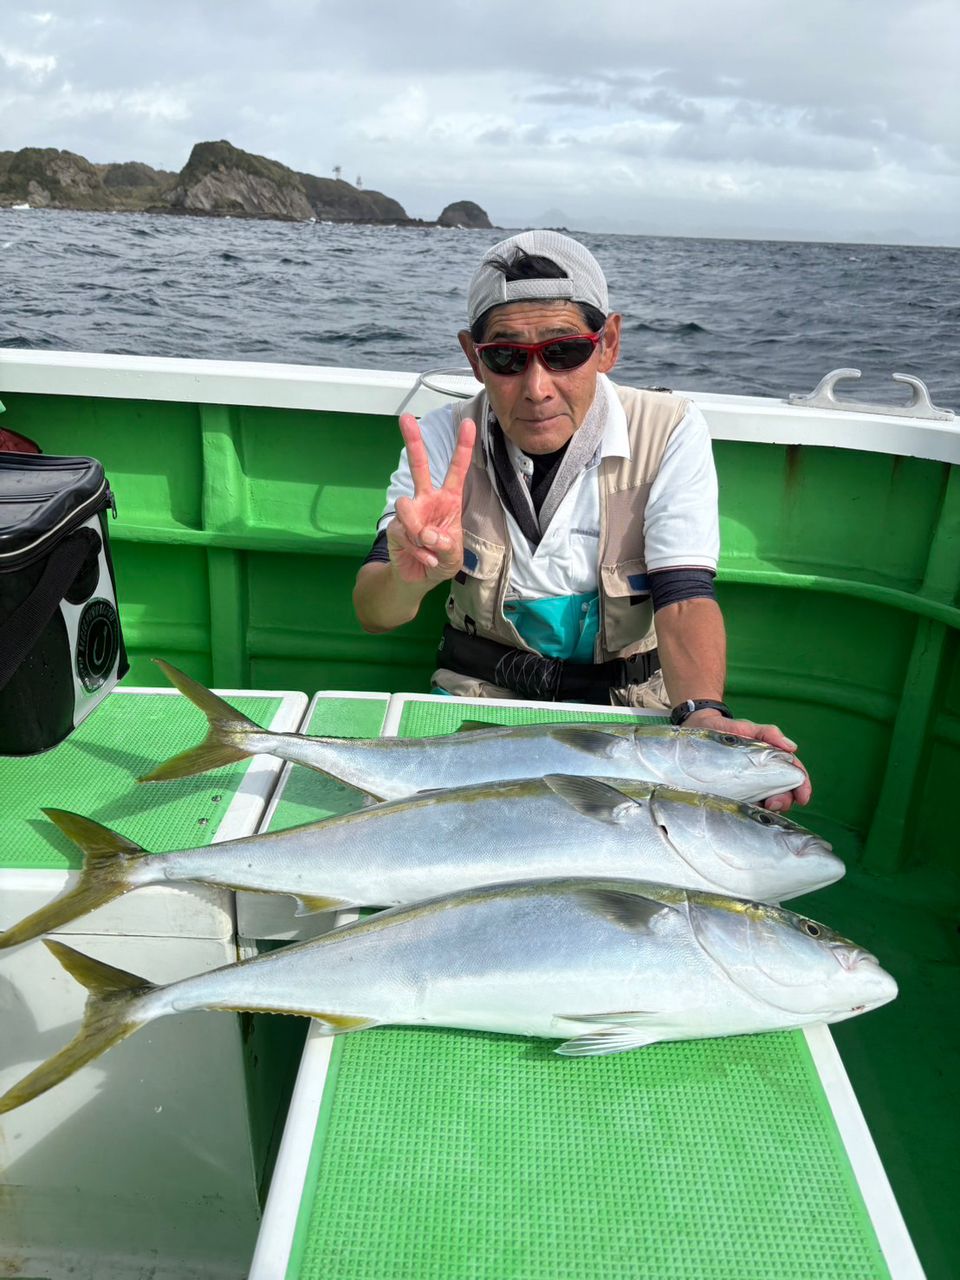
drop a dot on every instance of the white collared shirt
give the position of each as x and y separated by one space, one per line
680 524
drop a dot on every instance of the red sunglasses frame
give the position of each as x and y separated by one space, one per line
537 349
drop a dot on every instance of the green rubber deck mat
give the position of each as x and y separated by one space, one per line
425 718
94 773
451 1155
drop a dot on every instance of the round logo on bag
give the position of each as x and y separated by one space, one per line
98 643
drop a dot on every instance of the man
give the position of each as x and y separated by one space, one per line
579 540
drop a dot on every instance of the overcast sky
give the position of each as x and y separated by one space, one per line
813 119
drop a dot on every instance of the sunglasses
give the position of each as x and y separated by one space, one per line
559 355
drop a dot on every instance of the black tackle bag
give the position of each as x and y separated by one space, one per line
61 649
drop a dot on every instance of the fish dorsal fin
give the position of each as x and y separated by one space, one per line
591 797
96 840
615 1033
585 738
630 910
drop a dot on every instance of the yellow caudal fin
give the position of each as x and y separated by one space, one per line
106 875
110 1016
224 743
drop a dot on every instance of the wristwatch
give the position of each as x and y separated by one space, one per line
683 710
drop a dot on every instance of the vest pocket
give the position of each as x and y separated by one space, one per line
475 589
481 559
627 608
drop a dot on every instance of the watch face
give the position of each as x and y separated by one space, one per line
98 643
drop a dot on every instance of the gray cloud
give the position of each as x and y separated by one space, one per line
609 111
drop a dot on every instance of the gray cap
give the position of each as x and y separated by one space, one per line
585 281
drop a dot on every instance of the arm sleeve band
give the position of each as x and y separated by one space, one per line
669 586
378 553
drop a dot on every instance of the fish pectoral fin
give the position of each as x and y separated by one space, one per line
309 904
334 1024
471 726
631 910
591 797
592 742
616 1033
369 799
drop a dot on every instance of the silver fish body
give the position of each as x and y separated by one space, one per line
603 965
406 850
391 768
403 851
626 961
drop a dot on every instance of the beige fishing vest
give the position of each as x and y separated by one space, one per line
477 594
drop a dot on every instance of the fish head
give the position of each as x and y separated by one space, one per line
742 848
787 961
725 764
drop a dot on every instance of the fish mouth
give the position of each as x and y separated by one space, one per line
814 845
851 957
772 755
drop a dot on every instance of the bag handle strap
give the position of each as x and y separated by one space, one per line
23 628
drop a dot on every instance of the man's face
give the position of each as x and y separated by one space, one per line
539 410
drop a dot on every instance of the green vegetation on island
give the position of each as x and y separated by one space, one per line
218 180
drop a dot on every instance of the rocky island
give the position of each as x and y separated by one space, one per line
218 180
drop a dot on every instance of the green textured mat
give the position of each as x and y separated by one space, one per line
425 718
94 773
448 1155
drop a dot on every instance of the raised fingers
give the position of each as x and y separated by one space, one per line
460 462
416 455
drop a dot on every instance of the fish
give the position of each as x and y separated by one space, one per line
402 851
391 768
602 965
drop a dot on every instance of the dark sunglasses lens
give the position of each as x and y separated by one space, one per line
504 359
567 355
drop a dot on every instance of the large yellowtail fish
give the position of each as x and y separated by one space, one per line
602 965
406 850
390 768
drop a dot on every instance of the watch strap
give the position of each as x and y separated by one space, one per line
683 710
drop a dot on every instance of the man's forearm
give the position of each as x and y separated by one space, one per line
382 599
691 641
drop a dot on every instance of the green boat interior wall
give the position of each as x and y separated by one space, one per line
239 535
241 529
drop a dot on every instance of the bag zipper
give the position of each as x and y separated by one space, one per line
99 501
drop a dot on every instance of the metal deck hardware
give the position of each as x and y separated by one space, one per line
919 405
459 384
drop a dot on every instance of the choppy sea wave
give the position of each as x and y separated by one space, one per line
737 316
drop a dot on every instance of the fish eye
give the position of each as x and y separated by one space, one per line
765 819
813 930
730 739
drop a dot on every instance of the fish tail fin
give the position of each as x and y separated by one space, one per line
225 741
106 874
109 1017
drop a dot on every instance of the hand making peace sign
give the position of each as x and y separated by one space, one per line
425 540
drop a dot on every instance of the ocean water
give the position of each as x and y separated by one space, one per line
736 316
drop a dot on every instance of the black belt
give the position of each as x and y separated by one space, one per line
538 678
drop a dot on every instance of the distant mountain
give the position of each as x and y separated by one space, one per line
218 179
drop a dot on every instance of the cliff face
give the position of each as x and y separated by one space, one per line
218 178
44 177
337 201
